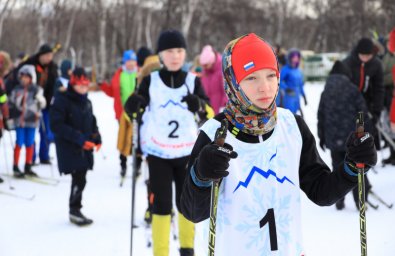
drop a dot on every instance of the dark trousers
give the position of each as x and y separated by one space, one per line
46 136
123 160
162 173
78 183
337 159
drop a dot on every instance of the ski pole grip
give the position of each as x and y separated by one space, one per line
360 130
221 132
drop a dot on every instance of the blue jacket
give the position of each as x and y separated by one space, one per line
291 88
72 122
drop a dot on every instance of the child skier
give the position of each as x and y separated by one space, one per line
27 100
168 135
76 136
268 155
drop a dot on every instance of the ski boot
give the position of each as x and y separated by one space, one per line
77 218
1 180
29 172
186 252
45 162
123 171
17 172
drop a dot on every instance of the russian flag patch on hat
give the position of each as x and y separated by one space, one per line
249 66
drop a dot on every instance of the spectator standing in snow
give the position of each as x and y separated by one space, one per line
76 136
211 77
291 83
123 84
26 103
66 69
47 74
367 75
336 118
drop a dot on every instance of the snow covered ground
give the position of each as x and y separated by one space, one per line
41 227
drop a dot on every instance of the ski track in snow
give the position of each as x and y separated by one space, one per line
41 227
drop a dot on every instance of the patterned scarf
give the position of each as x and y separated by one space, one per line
239 110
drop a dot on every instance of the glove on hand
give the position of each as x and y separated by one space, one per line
213 162
133 104
88 145
192 102
360 150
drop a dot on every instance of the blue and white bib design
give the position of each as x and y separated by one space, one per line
169 129
259 202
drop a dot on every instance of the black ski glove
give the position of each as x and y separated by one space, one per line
132 104
213 162
192 102
360 150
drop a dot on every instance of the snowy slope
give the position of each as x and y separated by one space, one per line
40 227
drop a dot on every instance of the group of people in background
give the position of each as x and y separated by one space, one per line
170 104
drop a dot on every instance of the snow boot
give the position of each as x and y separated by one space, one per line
186 252
45 162
29 172
1 180
161 234
77 218
123 171
17 172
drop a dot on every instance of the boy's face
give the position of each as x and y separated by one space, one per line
131 65
173 58
26 80
46 58
365 57
261 87
81 89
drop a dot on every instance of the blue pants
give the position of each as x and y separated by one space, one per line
25 136
46 137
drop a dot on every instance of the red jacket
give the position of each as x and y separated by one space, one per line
114 90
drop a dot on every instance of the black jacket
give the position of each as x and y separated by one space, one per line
373 87
72 122
322 186
339 105
48 87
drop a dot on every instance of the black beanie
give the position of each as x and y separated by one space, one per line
142 54
341 69
170 39
365 46
45 48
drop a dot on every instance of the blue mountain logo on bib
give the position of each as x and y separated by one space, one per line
173 103
265 174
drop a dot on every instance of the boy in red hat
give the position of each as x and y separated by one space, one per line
76 136
269 155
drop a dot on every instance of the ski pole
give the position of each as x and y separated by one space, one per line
389 206
361 189
219 139
134 174
6 166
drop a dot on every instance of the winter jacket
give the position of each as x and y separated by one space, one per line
64 78
114 90
371 86
291 88
340 102
26 102
72 122
388 64
213 84
46 77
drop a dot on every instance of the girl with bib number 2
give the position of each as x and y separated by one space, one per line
268 156
170 98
